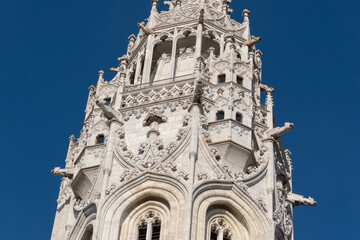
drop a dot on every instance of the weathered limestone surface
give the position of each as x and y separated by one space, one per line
180 138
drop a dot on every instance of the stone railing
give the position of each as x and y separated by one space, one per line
159 82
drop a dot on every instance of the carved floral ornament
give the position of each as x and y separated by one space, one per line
153 156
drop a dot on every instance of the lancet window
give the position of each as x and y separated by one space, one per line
88 233
161 62
220 229
149 227
185 55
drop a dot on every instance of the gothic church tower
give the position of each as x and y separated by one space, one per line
178 145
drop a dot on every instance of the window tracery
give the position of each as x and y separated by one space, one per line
220 229
149 227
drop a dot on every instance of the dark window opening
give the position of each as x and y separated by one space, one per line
222 78
107 101
239 117
239 80
226 237
156 232
142 233
88 233
213 235
238 55
132 79
220 115
100 139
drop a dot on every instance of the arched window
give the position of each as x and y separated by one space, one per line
221 78
88 233
239 80
132 78
149 226
220 229
100 139
239 117
220 115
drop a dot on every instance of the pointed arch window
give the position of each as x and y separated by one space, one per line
88 235
220 229
150 226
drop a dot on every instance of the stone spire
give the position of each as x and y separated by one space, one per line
179 140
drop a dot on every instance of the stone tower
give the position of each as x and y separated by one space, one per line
178 145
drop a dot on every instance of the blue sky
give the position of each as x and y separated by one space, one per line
51 51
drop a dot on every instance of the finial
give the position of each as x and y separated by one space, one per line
225 7
101 74
201 16
91 88
246 14
154 4
132 38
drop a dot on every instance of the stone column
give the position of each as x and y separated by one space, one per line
101 79
269 143
199 35
120 92
220 235
194 140
137 70
70 216
149 230
68 161
107 166
173 55
148 58
246 34
91 92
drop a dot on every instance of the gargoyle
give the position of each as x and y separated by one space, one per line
201 17
299 200
251 42
108 111
198 92
266 88
145 29
63 172
279 131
